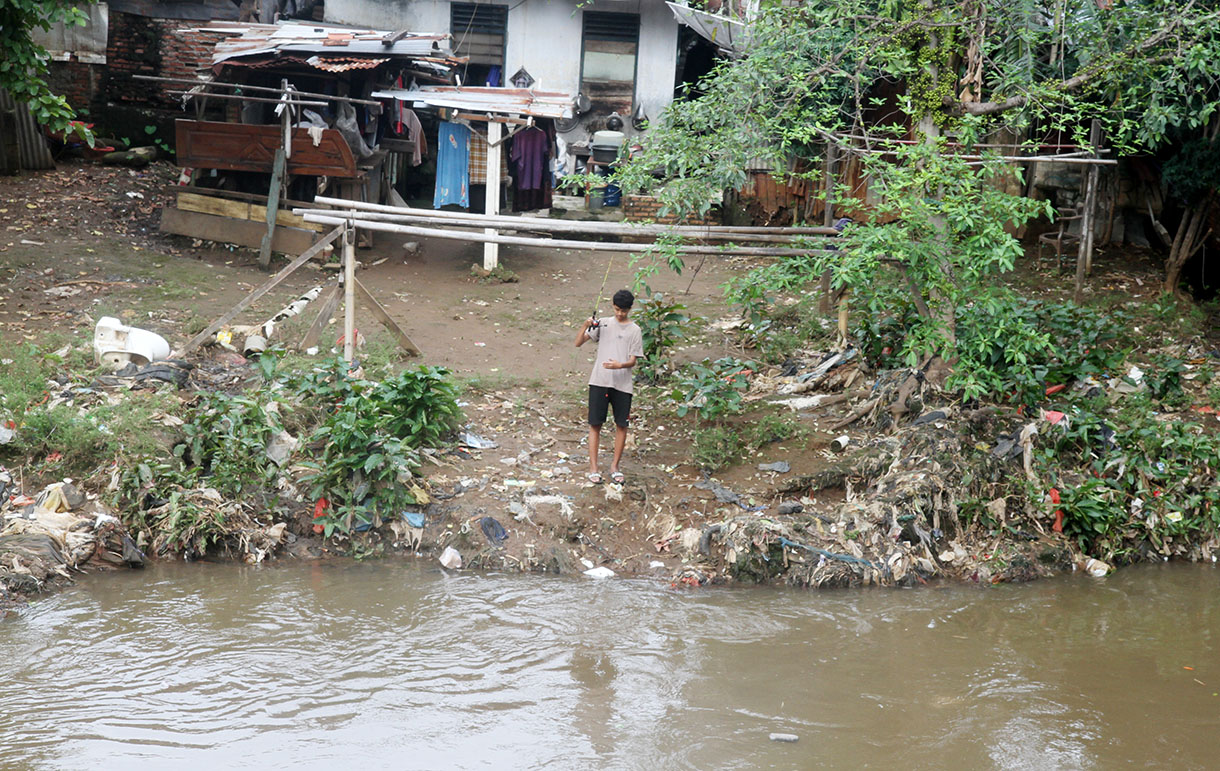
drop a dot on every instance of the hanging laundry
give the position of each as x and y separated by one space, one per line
414 129
478 160
452 166
531 155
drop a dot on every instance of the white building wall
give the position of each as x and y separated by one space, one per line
544 36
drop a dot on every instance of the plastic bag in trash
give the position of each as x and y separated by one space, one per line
473 440
450 558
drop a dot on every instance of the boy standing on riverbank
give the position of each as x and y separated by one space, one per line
619 344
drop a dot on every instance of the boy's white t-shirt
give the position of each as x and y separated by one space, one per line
619 342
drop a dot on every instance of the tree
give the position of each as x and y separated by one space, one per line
23 68
1148 69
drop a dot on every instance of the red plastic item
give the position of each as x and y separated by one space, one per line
1054 496
1055 388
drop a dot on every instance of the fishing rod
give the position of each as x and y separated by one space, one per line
601 292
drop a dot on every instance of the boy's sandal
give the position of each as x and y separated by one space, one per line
617 477
595 477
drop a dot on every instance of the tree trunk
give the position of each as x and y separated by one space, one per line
1186 242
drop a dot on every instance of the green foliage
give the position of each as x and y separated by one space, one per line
23 67
225 437
715 447
156 498
770 428
945 247
1137 481
1194 171
713 389
1013 348
150 131
663 251
82 435
662 325
368 448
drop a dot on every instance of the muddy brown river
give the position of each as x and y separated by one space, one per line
385 665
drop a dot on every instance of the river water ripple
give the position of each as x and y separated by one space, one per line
388 665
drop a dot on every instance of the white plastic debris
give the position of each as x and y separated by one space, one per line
450 558
785 738
115 344
1096 568
600 572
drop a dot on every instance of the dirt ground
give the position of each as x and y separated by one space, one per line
82 241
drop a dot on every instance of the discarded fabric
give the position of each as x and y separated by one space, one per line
494 531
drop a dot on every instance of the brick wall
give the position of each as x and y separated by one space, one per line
137 45
640 208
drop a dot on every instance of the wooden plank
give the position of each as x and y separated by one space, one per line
228 230
240 147
383 316
242 210
330 303
267 286
273 206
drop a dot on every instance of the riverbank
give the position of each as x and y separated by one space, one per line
928 485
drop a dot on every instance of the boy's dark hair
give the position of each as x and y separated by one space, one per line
624 299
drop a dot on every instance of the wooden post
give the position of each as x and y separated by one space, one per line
491 250
383 316
330 303
349 292
828 220
1084 255
249 299
1091 199
273 207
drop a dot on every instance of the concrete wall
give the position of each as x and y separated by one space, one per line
544 37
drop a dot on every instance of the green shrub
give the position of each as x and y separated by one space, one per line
226 436
716 447
662 324
713 389
367 450
1012 348
1138 479
771 428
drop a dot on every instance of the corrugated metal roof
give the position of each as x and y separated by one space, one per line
274 39
500 101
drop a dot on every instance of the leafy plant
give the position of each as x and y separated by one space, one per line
715 447
151 132
1134 482
226 437
368 448
1013 348
771 428
713 389
662 324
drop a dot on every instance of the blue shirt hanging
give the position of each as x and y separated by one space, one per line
452 166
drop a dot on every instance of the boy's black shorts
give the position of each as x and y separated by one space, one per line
601 398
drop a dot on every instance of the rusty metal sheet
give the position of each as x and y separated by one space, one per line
240 147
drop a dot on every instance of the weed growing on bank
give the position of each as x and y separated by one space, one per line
292 437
